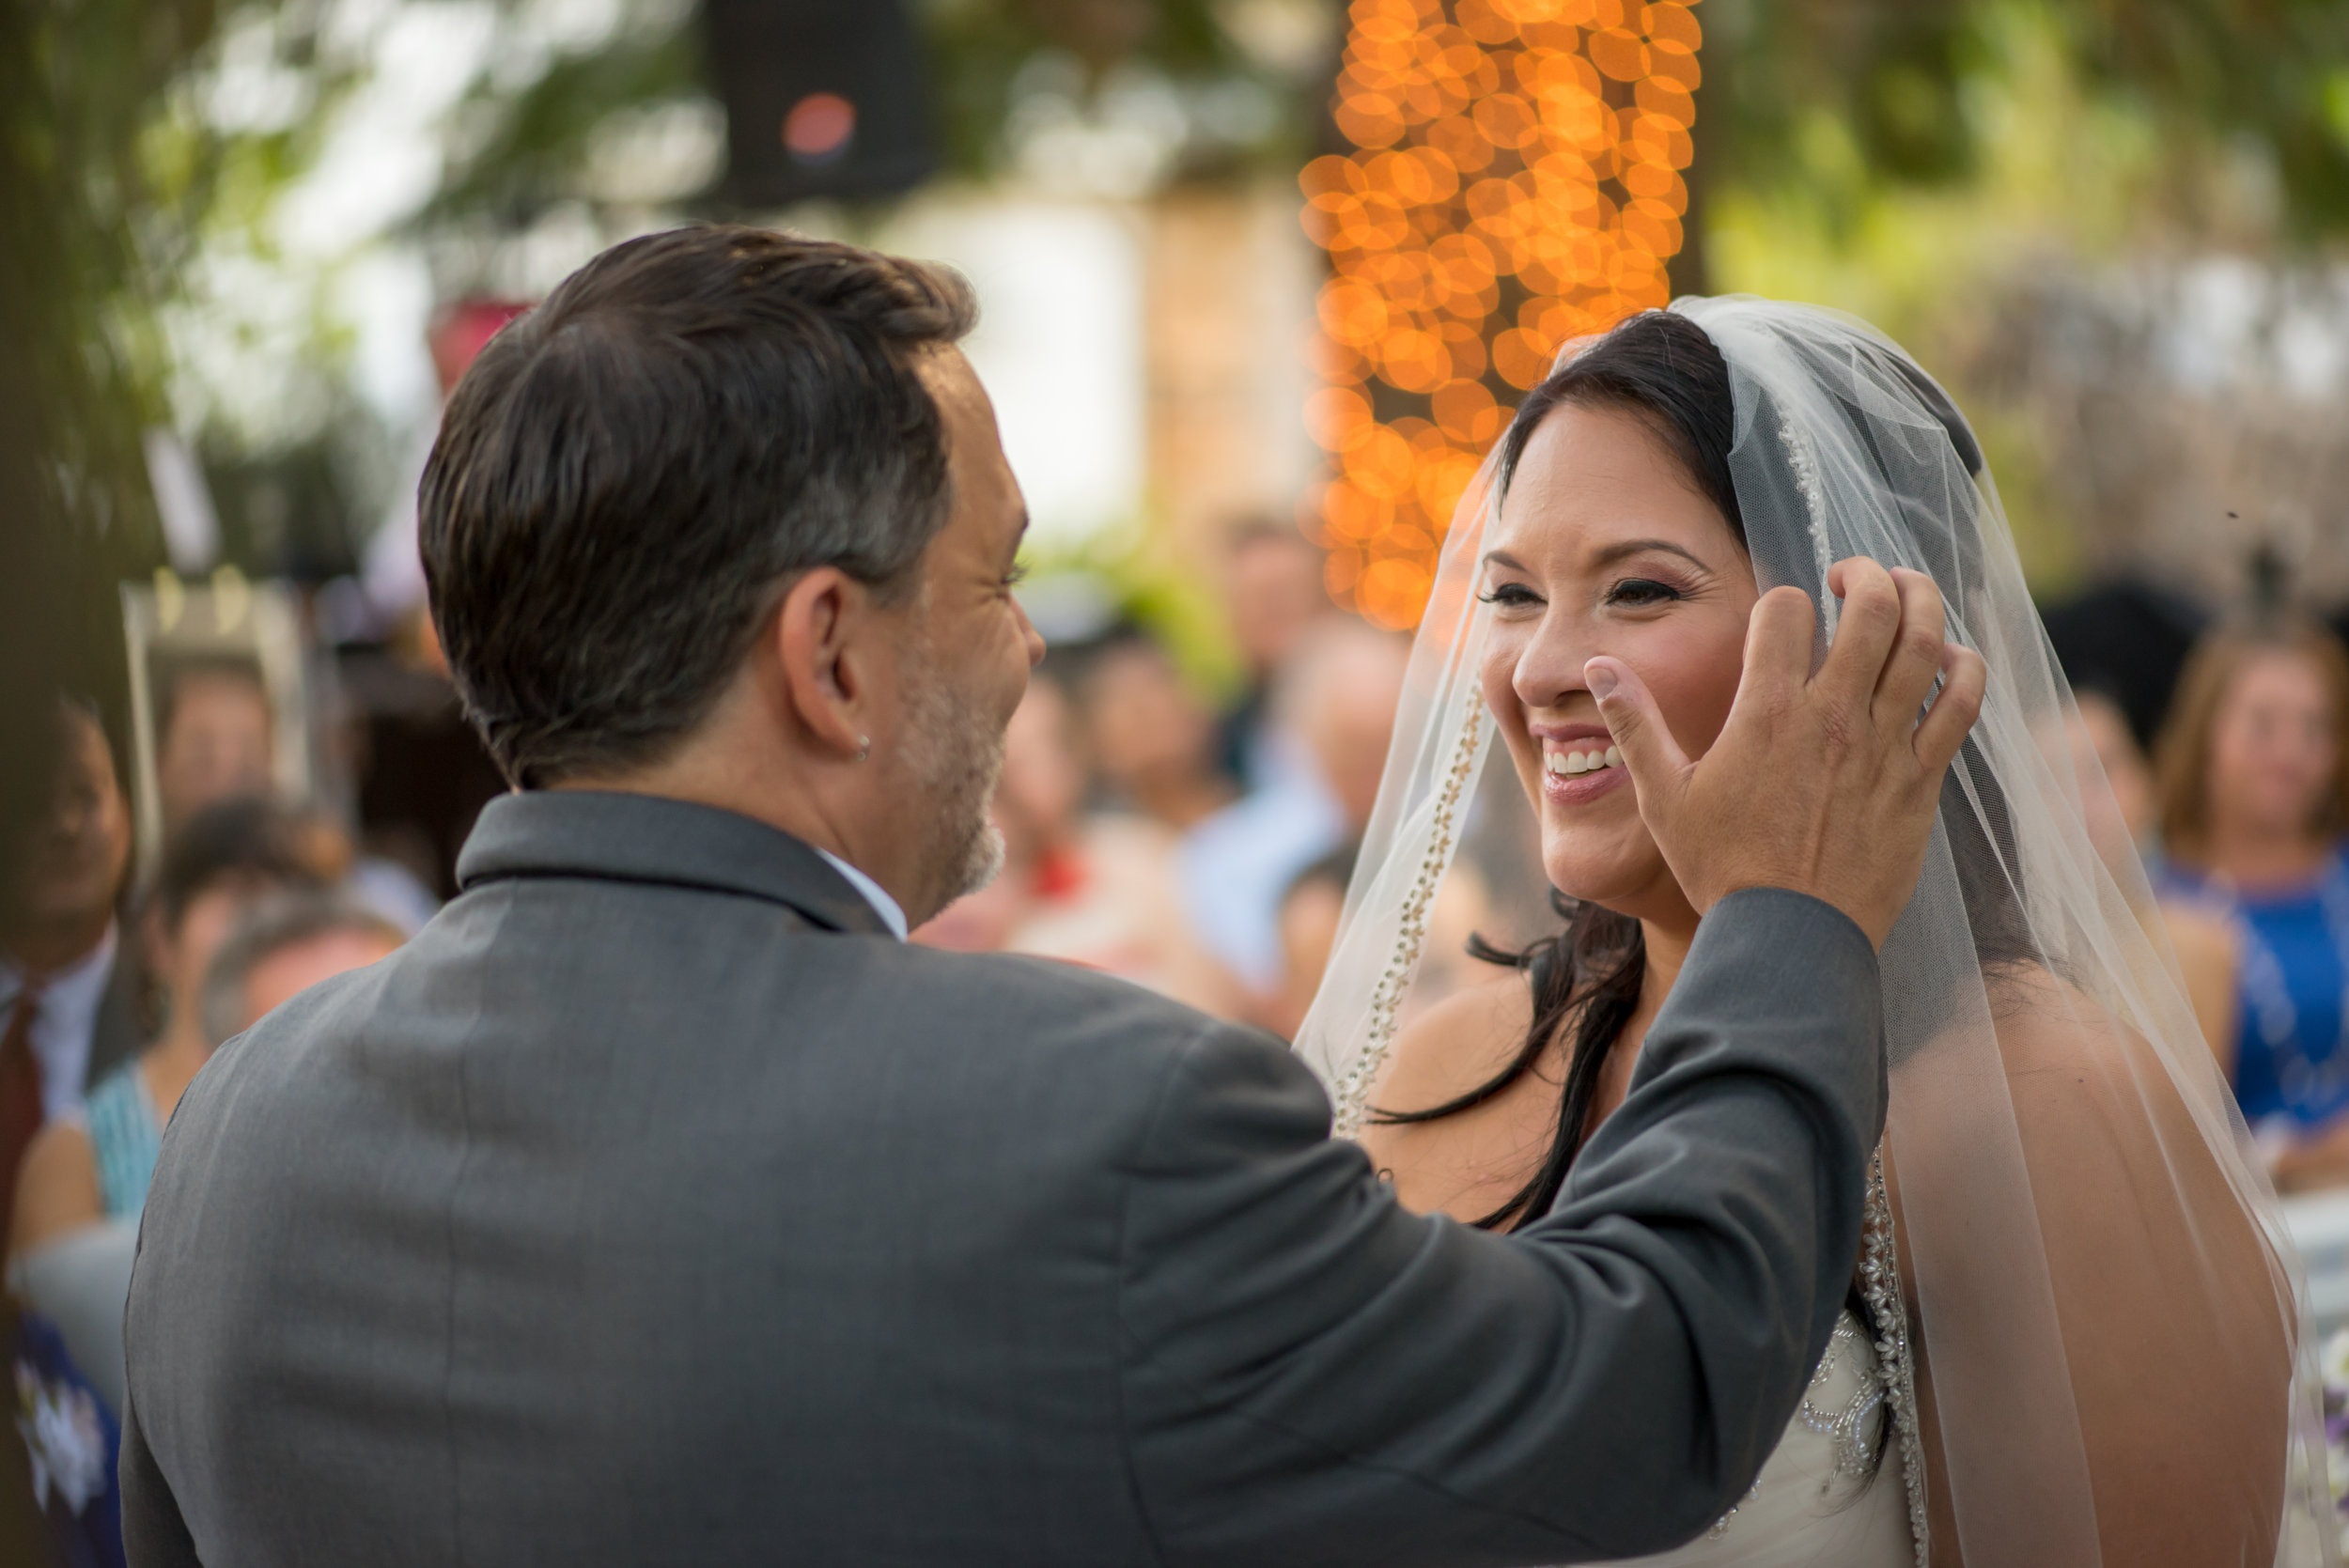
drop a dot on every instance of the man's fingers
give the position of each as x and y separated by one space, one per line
1951 717
1657 763
1778 644
1871 618
1916 660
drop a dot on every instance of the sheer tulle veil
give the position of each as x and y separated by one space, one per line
2085 1247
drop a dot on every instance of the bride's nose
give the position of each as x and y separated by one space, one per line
1549 665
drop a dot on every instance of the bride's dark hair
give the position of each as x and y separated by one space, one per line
1664 369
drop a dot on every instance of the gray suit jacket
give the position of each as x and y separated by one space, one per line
652 1205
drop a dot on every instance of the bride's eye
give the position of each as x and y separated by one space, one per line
1507 595
1638 591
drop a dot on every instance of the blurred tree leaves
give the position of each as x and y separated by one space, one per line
2273 73
1884 85
1221 62
88 230
524 138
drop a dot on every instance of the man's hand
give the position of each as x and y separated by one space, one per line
1823 784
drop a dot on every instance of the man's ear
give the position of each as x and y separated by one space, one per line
821 638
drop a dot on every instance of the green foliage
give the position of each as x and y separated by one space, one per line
1886 73
1147 583
983 52
529 147
87 232
2270 71
2211 78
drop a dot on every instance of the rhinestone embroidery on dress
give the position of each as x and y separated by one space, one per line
1890 1382
1854 1432
1855 1435
1880 1282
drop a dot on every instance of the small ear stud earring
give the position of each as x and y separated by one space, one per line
863 747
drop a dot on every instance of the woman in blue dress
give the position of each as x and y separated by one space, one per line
2255 802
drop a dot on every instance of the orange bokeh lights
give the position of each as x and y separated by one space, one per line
1515 183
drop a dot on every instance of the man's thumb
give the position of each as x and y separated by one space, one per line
1634 725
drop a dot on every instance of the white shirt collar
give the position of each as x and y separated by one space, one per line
883 906
70 1000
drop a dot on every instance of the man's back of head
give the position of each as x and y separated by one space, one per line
629 473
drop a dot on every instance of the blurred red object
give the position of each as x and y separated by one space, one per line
464 329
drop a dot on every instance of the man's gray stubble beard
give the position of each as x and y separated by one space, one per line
957 758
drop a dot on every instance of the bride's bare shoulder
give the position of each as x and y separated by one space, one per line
1458 1043
2085 1080
2045 1023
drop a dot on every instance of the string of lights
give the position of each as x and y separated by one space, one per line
1514 182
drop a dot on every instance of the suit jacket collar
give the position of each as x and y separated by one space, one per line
123 1028
610 836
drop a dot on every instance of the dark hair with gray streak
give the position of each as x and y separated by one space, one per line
269 927
631 474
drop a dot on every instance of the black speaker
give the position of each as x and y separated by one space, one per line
824 98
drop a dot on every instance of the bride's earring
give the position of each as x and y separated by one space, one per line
863 747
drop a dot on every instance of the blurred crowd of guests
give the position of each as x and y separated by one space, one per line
114 992
1198 851
1199 847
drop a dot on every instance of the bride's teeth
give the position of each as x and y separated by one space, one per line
1569 764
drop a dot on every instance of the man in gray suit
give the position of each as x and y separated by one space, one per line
659 1204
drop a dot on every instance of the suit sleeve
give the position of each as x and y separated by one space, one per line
1313 1373
153 1535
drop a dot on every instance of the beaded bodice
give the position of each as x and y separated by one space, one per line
1831 1494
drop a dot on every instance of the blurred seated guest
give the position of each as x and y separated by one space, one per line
383 885
2122 823
69 992
72 1288
1309 929
2103 737
284 945
1095 889
93 1164
215 735
2254 800
1274 596
215 741
1336 702
1450 959
1152 740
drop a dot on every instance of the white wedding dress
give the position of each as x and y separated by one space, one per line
1825 1499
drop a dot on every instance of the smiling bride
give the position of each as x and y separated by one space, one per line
2075 1334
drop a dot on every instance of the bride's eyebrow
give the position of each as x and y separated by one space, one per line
1627 548
1502 558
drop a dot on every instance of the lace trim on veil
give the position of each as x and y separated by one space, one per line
1353 1094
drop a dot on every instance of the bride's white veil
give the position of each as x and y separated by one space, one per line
2100 1296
